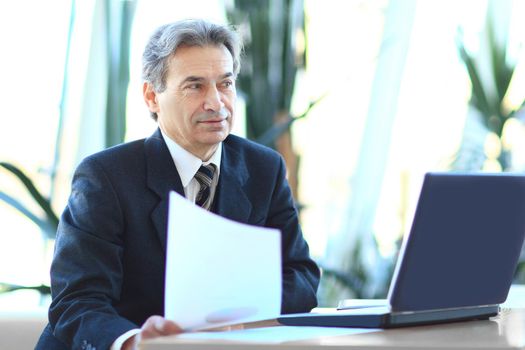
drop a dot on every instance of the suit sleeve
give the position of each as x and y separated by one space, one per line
300 272
86 273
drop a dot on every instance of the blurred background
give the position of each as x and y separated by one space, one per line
362 98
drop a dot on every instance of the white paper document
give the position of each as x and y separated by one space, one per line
219 272
275 335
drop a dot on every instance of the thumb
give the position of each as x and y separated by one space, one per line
167 327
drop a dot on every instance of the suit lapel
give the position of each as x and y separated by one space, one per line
162 177
231 199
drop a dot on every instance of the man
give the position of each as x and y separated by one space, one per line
107 275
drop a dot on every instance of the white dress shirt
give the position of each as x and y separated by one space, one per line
187 166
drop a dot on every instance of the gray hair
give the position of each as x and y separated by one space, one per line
192 32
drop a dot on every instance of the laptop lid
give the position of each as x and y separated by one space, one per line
464 244
458 260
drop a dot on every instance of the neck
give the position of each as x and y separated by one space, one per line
203 154
201 151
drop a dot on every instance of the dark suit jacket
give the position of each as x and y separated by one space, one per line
107 275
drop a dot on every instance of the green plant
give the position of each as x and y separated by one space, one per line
488 96
271 58
48 222
275 49
276 130
7 287
357 279
352 281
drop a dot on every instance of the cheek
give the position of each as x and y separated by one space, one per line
230 101
183 111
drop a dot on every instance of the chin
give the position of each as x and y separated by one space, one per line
218 136
214 139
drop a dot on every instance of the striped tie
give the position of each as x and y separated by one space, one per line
204 177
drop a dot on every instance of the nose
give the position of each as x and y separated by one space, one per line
213 100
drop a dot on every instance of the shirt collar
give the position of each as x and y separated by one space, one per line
186 163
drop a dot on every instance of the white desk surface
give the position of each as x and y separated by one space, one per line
505 331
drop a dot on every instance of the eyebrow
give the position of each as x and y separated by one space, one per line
193 78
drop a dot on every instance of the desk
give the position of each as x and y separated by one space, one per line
505 331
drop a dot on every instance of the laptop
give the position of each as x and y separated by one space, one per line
456 264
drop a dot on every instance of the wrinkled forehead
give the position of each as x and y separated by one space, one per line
206 62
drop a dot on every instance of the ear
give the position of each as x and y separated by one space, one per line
150 97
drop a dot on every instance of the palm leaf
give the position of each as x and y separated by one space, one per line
269 137
7 287
501 71
35 193
48 229
479 96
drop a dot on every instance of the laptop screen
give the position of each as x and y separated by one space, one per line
464 244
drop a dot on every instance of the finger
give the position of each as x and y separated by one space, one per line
167 327
156 326
149 328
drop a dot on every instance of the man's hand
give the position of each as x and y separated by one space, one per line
155 326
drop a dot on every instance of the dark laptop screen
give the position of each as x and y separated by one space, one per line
464 244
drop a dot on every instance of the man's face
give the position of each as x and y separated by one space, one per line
197 107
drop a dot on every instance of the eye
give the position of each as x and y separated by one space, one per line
227 83
194 86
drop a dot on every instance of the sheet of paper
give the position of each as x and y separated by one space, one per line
219 272
275 335
347 304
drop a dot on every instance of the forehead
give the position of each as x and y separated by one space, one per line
206 61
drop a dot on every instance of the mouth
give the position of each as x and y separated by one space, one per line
213 121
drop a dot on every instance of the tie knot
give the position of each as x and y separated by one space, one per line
205 174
